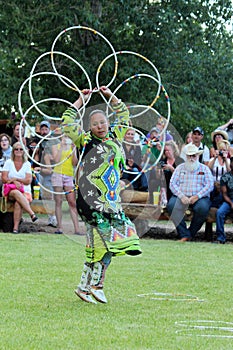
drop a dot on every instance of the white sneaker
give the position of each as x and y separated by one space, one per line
85 296
52 221
98 294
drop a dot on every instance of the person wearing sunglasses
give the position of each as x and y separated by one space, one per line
17 172
191 184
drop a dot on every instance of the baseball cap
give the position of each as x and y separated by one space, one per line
155 129
199 129
45 123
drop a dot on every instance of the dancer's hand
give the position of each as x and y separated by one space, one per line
85 93
108 93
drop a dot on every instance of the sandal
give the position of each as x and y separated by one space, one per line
58 232
15 231
34 217
79 233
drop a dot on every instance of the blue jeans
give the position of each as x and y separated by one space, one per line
140 183
220 217
176 210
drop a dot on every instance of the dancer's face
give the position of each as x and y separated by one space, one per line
99 125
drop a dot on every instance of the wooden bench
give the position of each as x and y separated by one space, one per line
141 213
7 208
37 205
144 212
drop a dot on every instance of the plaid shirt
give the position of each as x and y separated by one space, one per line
190 183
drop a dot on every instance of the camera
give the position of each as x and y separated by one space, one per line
230 127
162 163
221 153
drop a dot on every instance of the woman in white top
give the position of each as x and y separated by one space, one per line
219 165
17 171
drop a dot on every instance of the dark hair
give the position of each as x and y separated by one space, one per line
33 139
14 126
9 139
5 135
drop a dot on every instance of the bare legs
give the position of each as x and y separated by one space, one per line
17 215
58 207
70 197
21 203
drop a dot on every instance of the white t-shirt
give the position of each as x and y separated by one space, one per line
12 172
218 170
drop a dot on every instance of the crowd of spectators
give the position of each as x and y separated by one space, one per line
192 175
38 171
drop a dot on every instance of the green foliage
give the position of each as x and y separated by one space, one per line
186 40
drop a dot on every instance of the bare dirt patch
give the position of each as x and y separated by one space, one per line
41 226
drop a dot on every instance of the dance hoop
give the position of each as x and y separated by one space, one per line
170 297
60 76
205 328
135 54
81 111
94 32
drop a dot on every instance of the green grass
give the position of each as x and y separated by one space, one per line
39 309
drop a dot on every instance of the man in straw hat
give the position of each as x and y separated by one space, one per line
191 184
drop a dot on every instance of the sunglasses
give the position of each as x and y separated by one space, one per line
18 149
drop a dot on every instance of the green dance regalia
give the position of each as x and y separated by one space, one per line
98 201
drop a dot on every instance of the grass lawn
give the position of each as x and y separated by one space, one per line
173 296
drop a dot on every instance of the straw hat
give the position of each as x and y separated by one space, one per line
191 149
219 132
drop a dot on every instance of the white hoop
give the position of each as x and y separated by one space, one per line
96 33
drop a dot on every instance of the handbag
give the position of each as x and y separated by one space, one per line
9 187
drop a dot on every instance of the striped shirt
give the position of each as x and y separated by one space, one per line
192 183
